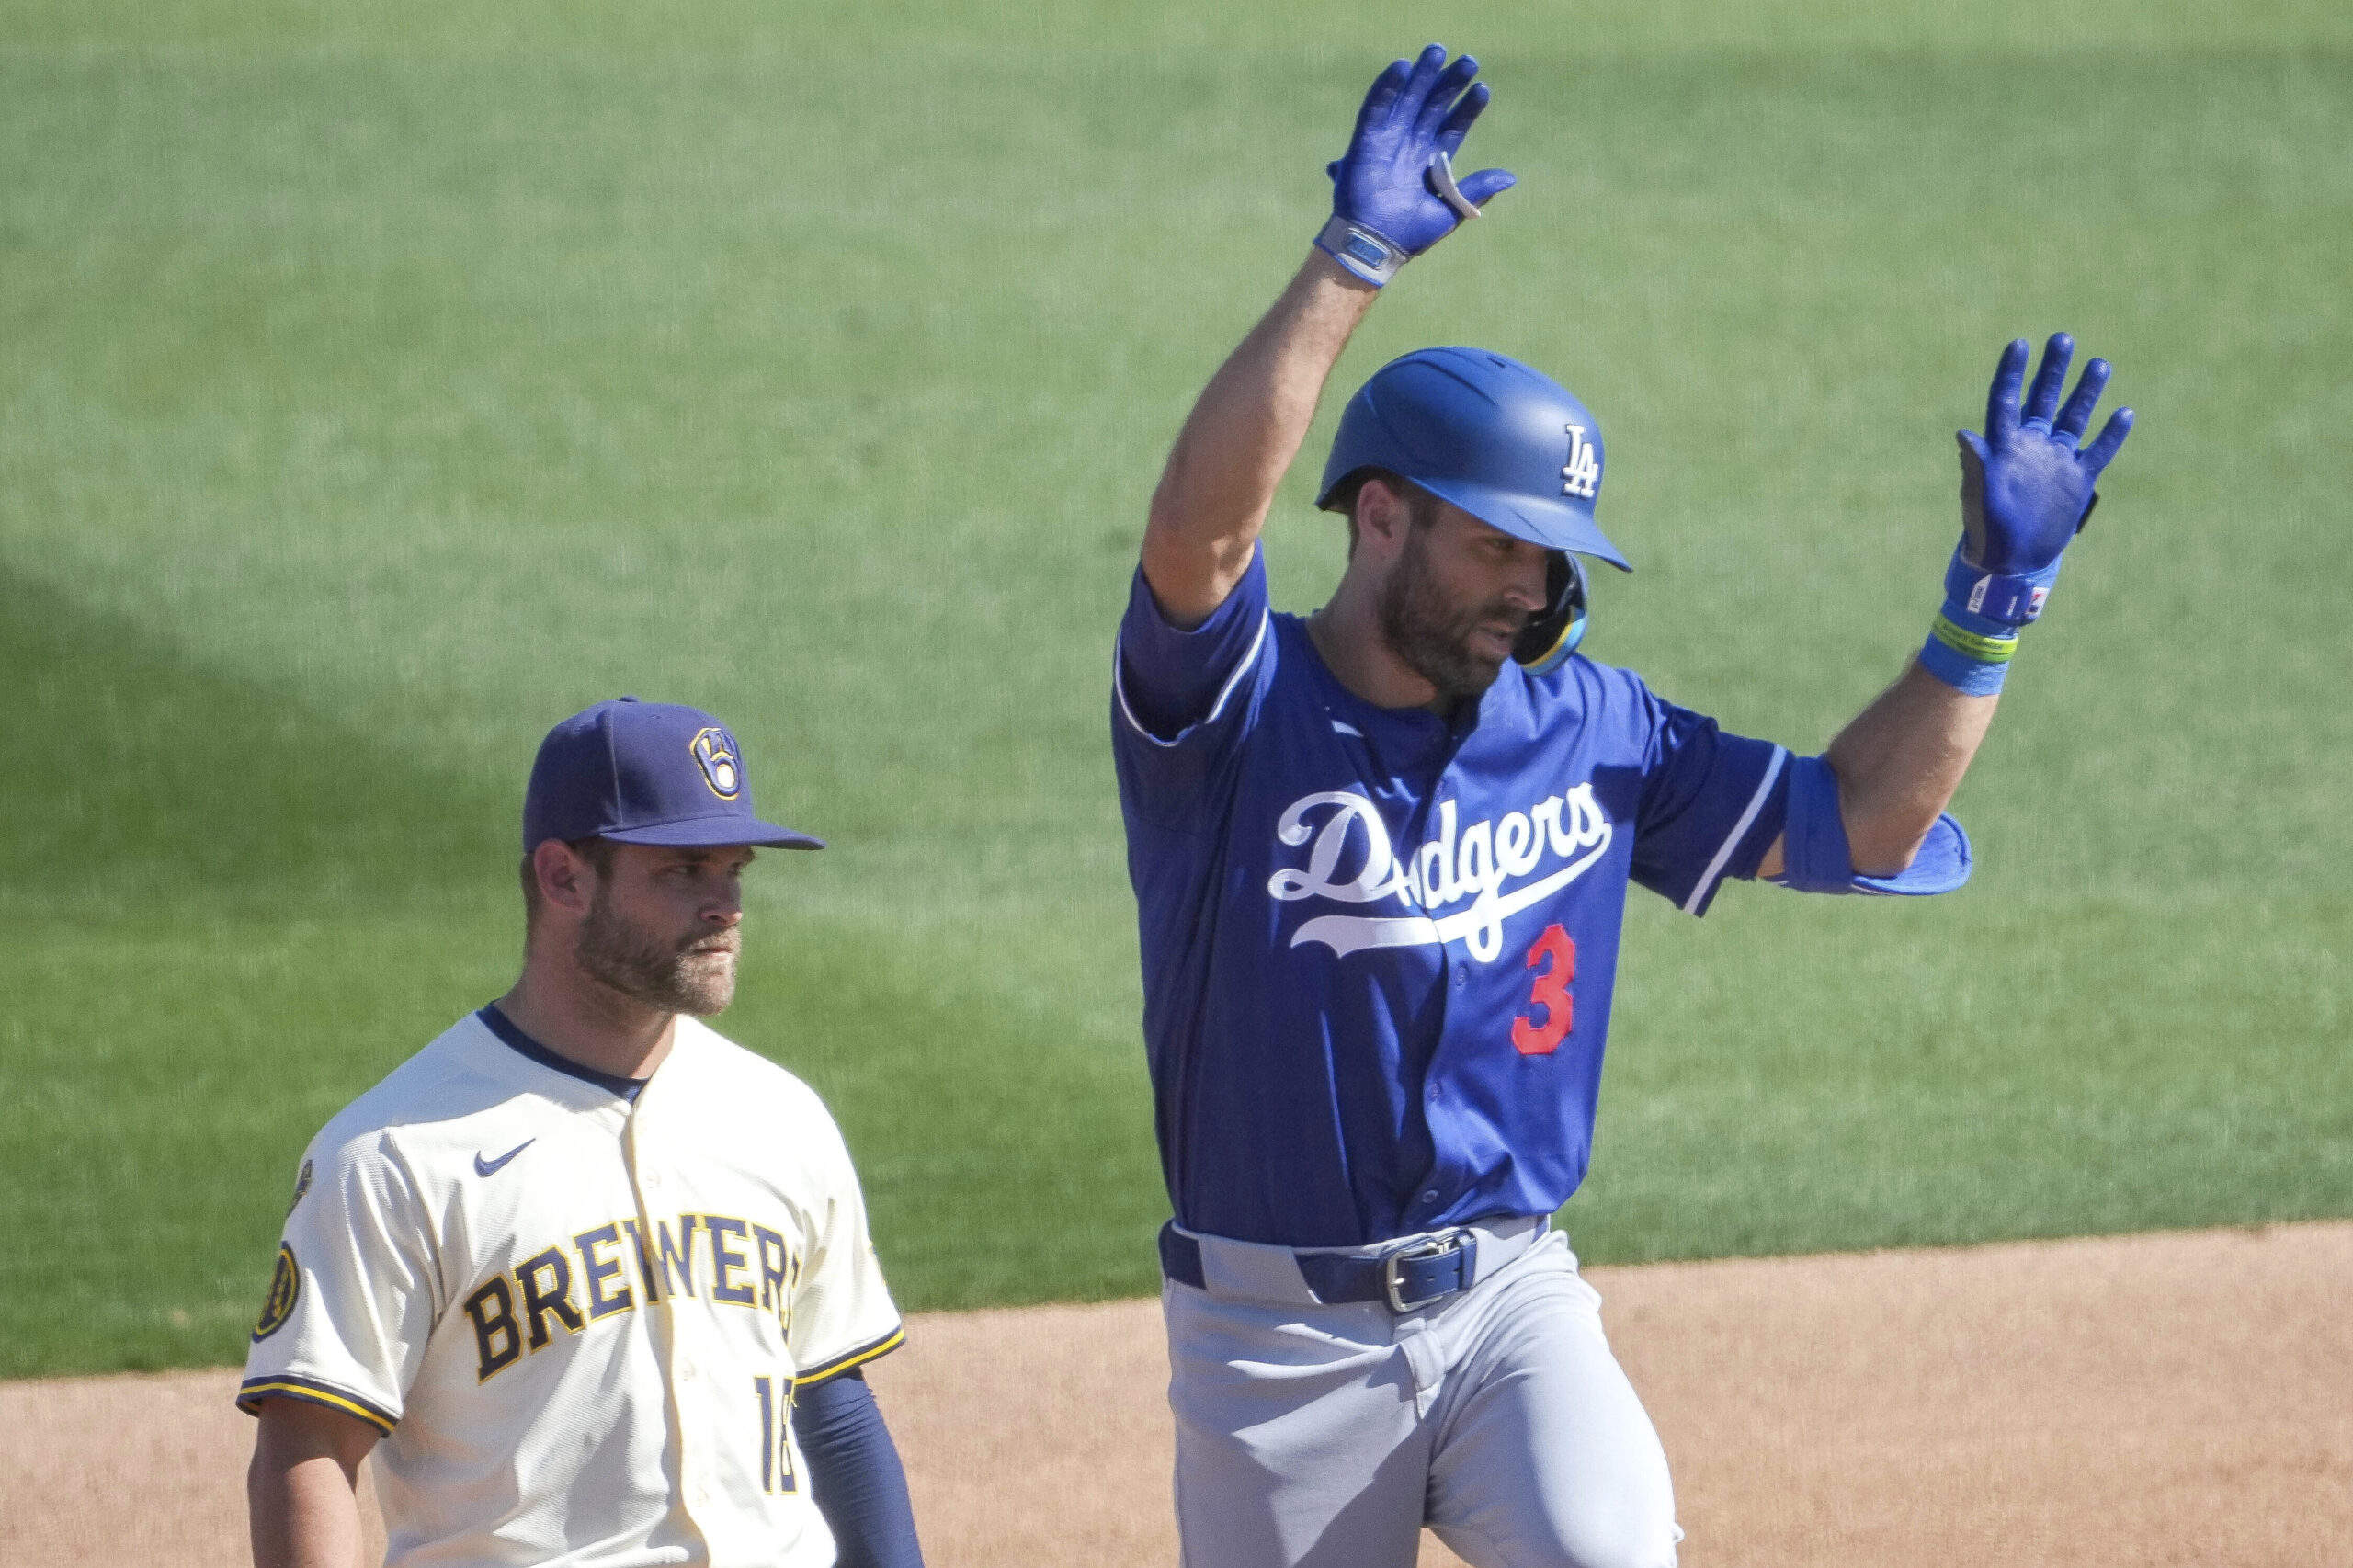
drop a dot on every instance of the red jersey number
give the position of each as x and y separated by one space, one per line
1556 951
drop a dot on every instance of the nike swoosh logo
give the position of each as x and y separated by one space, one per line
492 1167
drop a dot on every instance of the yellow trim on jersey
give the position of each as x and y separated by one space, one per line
840 1364
250 1396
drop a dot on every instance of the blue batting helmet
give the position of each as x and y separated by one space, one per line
1506 443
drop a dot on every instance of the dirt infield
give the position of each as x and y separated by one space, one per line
2152 1400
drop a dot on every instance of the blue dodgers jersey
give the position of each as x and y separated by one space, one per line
1379 945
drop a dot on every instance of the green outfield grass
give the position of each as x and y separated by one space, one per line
377 385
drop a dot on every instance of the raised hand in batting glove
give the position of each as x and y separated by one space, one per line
1394 191
2025 486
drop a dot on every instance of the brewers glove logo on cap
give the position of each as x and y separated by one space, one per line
655 773
715 754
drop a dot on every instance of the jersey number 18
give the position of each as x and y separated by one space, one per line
776 1436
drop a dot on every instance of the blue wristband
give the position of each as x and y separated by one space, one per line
1975 634
1968 653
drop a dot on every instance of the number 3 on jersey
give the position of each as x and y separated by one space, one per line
1555 956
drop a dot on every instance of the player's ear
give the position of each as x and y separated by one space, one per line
566 878
1382 518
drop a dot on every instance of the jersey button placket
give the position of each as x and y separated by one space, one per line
687 1395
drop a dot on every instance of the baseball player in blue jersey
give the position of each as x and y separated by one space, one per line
1380 857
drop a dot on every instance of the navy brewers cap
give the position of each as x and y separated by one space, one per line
646 773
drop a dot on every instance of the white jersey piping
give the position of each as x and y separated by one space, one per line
1739 831
1120 690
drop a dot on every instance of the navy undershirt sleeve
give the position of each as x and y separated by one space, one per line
854 1476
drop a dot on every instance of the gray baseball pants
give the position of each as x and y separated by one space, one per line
1314 1436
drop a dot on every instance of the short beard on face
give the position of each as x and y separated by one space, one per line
1432 638
695 976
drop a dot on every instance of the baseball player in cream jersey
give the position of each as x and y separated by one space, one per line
591 1281
1381 856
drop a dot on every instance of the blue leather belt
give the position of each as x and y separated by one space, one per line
1416 1275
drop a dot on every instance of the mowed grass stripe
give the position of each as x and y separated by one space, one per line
382 390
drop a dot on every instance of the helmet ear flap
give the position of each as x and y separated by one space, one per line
1549 637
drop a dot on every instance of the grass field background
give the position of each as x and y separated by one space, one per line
377 385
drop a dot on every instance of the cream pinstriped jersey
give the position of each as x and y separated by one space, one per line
579 1320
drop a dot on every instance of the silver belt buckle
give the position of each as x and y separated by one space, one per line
1392 1281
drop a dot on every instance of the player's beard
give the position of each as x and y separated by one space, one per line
695 974
1433 637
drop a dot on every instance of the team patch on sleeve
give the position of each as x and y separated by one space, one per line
284 1289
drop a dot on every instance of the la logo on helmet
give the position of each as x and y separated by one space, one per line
715 754
1583 475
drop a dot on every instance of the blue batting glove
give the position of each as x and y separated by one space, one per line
2025 488
1394 191
2025 492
